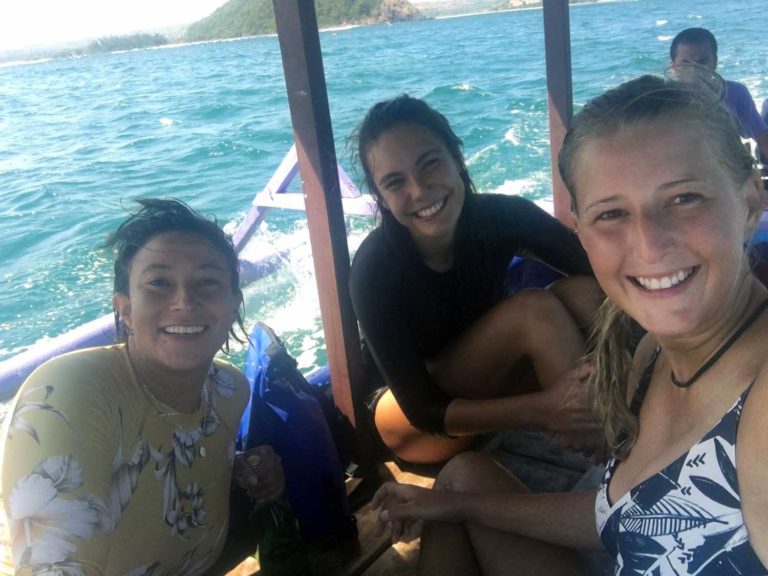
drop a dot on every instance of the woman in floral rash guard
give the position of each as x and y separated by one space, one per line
118 460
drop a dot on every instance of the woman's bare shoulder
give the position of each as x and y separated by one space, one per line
751 463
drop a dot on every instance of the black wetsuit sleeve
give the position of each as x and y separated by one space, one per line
538 235
380 297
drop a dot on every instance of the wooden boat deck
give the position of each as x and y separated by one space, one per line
535 458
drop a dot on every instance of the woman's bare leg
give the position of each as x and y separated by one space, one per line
409 443
448 549
582 296
494 357
483 361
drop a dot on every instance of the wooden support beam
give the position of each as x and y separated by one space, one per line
557 41
310 115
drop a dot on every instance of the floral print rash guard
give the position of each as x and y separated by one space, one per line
99 477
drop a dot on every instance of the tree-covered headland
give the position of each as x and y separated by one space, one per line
238 18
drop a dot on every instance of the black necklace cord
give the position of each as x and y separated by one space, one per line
723 349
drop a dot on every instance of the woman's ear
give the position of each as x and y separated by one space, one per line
756 199
121 303
572 220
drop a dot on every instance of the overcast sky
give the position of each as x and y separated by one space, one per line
25 23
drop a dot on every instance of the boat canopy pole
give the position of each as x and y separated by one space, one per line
305 82
557 42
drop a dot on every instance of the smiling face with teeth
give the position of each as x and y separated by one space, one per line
179 307
664 224
420 184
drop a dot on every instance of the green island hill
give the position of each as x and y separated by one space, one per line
239 18
244 18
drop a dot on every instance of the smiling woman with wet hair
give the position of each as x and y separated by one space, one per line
448 354
119 459
155 217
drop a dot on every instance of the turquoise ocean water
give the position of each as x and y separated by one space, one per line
209 124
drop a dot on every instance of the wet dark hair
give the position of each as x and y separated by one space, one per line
405 109
159 216
693 36
645 101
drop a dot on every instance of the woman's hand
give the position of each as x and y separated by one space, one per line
404 508
568 413
259 472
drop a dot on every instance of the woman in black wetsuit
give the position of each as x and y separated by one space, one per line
429 286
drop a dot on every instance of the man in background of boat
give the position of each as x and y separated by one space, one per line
119 459
698 46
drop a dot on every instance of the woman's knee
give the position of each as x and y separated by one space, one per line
476 472
574 285
582 296
392 425
535 304
538 314
408 442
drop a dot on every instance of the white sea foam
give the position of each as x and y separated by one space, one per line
510 136
518 187
297 313
480 154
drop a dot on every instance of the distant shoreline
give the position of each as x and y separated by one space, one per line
32 58
521 8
